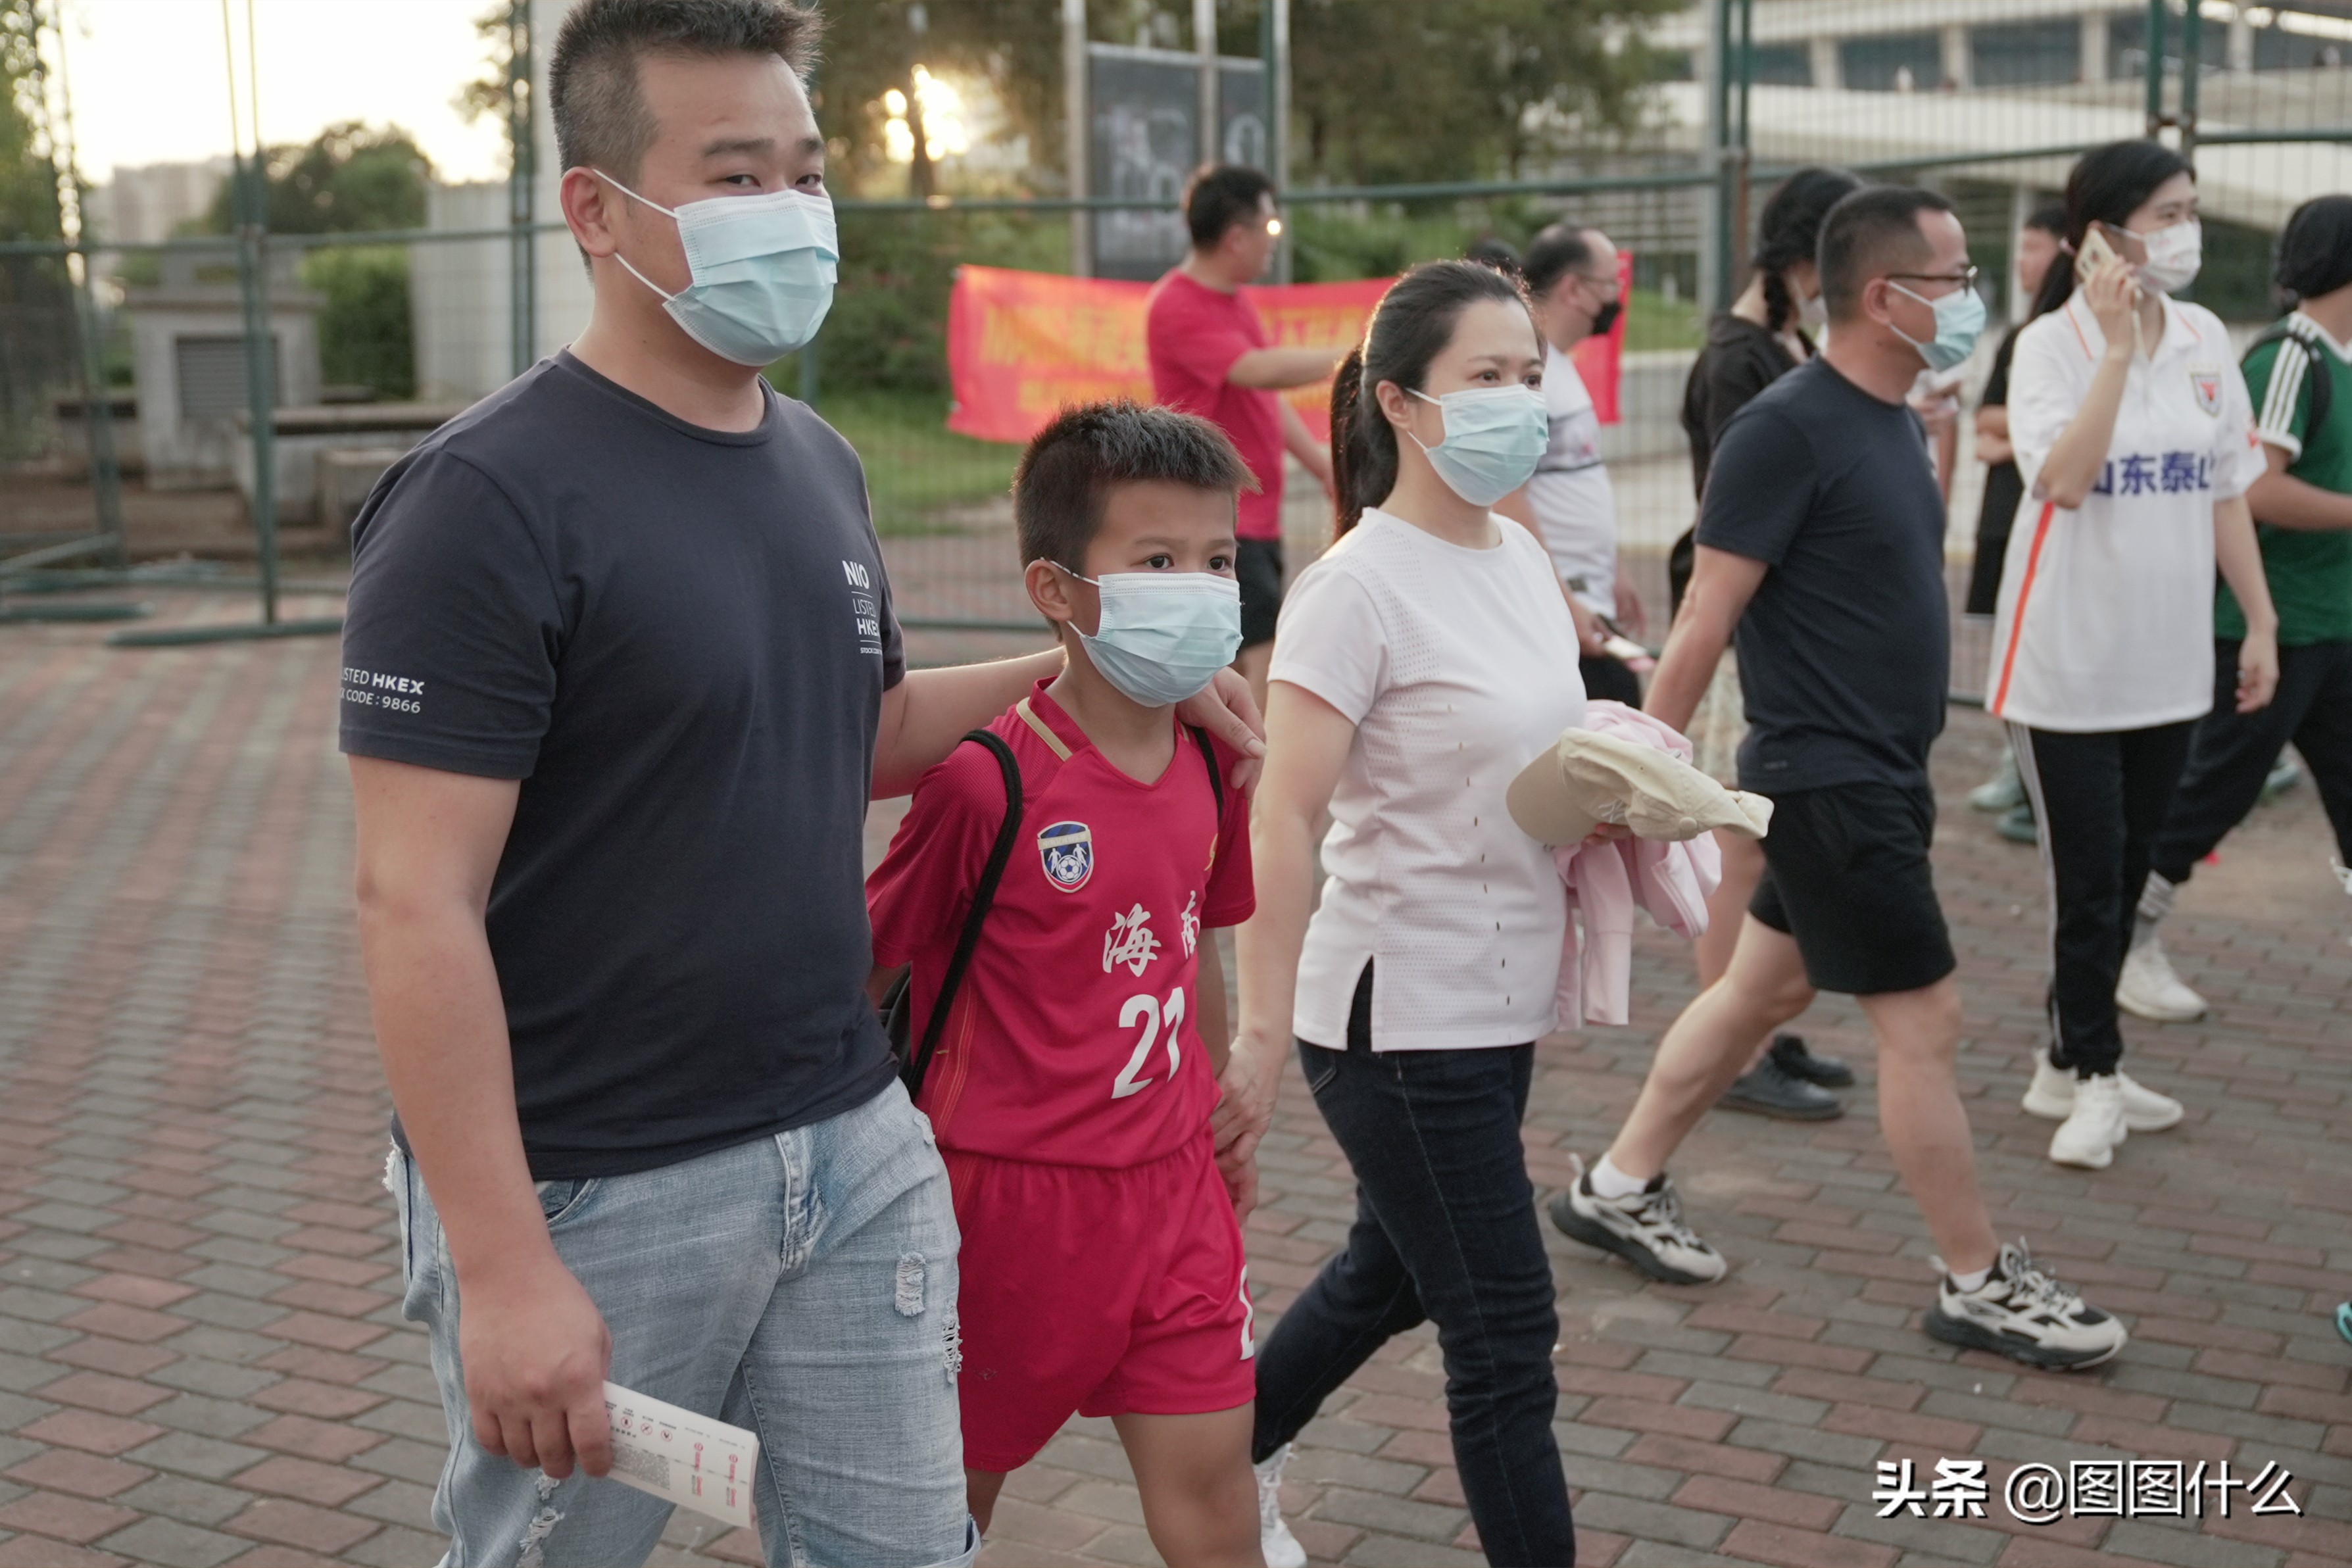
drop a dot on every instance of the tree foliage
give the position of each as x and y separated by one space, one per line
1465 89
350 178
872 46
1429 90
28 191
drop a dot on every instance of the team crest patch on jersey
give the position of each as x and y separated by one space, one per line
2205 380
1068 849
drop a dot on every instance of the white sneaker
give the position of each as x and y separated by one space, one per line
2094 1127
2150 988
2051 1098
2022 1312
1275 1543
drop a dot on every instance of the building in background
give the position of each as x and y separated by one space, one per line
149 201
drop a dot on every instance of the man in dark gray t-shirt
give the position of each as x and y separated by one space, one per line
1820 540
621 673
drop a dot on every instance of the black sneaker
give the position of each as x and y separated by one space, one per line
1829 1072
2021 1312
1771 1089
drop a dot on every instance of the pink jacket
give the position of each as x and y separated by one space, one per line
1606 881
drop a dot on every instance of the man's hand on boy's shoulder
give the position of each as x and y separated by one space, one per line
1229 713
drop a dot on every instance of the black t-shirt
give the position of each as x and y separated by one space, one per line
1740 360
677 639
1844 652
2004 487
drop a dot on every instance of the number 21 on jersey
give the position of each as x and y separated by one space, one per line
1153 1016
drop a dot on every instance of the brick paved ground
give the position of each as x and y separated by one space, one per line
202 1363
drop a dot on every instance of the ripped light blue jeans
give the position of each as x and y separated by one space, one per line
801 1285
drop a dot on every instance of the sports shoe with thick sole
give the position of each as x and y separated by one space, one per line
1275 1543
2149 988
2093 1131
2021 1312
2052 1097
1645 1229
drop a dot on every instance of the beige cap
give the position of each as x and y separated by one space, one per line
1588 779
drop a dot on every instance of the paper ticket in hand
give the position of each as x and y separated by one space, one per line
694 1461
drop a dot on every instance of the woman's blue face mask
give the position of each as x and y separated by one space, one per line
1495 436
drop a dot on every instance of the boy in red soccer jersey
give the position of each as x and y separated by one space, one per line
1102 1264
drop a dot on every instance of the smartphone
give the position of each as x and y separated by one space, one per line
2106 239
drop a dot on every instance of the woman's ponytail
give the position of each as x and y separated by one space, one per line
1779 310
1363 447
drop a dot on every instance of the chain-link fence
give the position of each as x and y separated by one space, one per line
374 340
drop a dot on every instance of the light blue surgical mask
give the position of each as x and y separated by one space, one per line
1495 436
1960 321
1164 635
762 270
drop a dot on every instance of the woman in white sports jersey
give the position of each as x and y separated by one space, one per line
1425 658
2134 437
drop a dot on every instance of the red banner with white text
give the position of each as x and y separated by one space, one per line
1022 345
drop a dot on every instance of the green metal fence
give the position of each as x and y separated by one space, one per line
1990 100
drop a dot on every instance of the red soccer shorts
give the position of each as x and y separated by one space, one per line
1098 1291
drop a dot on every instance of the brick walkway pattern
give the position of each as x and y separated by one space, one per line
202 1360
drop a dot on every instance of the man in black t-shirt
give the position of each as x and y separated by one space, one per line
1820 541
621 672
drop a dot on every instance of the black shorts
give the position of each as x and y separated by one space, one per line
1846 873
1258 564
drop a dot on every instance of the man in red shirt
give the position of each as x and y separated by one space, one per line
1210 357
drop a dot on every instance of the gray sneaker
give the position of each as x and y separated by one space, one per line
2022 1312
1647 1229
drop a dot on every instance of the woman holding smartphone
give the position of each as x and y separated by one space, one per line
2134 435
1425 658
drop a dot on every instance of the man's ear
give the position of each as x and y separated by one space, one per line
587 208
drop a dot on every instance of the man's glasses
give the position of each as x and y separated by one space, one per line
1966 278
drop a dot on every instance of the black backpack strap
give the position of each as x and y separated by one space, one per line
1216 782
919 1061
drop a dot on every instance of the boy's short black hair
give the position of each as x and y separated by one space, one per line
601 119
1065 477
1867 233
1220 195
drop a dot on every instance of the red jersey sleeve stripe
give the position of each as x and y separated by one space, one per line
2016 616
2078 331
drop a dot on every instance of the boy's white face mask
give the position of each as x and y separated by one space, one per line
1164 635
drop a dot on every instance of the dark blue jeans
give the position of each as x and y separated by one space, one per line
1446 1231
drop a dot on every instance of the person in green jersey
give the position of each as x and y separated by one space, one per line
2300 373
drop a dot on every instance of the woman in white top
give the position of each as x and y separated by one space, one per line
2135 438
1424 659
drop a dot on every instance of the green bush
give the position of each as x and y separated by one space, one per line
887 328
364 333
